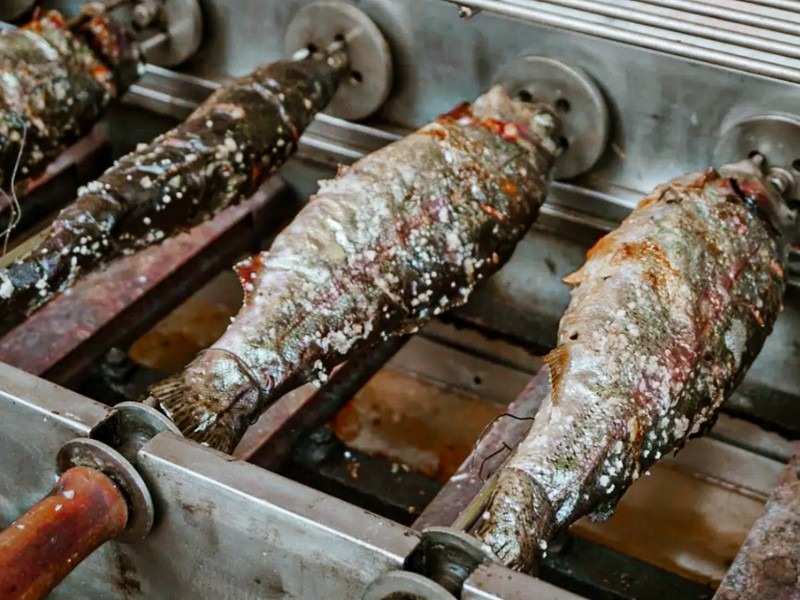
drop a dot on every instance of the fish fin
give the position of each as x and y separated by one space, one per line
247 271
184 408
574 278
557 361
603 512
168 397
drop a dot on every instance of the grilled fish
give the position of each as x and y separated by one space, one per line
667 315
401 236
55 85
240 135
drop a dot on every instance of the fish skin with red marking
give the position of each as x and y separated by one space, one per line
55 84
219 155
667 315
399 237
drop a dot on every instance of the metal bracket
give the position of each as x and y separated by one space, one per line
576 99
318 25
182 22
113 448
129 426
436 569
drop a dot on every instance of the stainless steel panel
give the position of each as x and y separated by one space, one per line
228 529
667 112
37 417
224 529
490 582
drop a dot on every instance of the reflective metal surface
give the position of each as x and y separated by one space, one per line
322 23
402 585
685 85
776 136
716 37
182 21
577 100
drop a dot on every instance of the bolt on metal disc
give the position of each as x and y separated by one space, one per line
318 25
448 557
85 452
775 136
184 26
403 585
575 98
11 9
129 426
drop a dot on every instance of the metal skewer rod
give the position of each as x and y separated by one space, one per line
152 42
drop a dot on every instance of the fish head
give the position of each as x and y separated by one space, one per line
519 120
766 191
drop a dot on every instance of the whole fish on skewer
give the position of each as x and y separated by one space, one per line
55 84
667 315
240 135
402 235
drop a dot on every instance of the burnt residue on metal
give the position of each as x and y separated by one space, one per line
489 453
126 578
768 564
323 462
323 406
54 86
239 136
597 572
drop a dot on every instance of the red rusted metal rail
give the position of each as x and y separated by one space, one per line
116 305
488 456
768 563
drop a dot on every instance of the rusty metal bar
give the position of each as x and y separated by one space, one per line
490 452
114 306
768 563
286 425
84 510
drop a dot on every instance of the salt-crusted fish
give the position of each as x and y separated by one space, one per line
401 236
240 135
55 85
667 315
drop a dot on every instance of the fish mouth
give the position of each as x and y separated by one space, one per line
763 192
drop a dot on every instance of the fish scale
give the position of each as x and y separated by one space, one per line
401 236
220 154
55 85
666 316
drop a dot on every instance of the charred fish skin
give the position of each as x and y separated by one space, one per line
401 236
54 86
667 315
239 136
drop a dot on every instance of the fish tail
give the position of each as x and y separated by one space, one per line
213 401
520 520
